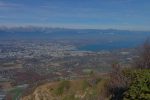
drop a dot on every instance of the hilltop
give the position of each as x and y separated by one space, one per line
80 89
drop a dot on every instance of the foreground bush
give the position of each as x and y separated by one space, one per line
129 84
117 84
139 88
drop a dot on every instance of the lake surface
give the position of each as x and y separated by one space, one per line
110 45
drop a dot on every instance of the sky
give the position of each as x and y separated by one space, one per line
95 14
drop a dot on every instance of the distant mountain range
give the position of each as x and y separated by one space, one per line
62 33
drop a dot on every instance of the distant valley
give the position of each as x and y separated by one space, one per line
30 56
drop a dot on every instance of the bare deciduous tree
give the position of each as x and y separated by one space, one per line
143 61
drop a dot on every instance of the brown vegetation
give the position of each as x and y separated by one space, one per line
121 79
143 61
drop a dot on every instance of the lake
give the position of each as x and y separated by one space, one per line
110 45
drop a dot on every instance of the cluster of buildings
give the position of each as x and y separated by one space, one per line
33 49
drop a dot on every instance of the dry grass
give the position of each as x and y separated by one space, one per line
74 92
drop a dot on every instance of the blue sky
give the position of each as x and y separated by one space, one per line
102 14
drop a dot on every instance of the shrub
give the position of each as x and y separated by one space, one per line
117 84
139 88
143 61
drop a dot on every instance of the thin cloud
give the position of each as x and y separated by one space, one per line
8 5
